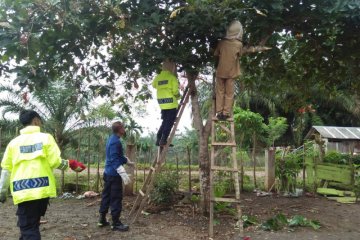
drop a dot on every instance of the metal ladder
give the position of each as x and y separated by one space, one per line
143 196
223 138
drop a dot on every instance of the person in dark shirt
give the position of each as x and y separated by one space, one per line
114 176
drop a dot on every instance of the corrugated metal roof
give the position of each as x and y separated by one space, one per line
348 133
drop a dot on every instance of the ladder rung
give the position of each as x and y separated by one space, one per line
218 120
218 168
224 144
141 193
231 200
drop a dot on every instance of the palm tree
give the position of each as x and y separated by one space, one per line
59 105
8 129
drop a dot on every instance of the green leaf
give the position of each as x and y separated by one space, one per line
275 223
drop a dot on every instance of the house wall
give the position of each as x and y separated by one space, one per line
343 147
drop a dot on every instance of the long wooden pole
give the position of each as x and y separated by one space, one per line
254 158
98 164
189 167
89 158
177 169
136 169
304 168
78 158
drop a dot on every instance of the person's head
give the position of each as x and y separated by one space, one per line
118 129
169 65
234 31
30 118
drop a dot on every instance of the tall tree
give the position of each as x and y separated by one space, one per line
101 40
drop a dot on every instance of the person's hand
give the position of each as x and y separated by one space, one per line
76 166
4 184
129 162
2 196
124 176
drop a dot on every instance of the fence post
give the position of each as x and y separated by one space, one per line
177 169
89 160
189 158
269 168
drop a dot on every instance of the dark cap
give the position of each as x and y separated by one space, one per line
26 116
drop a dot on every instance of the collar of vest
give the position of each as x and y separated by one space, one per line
30 129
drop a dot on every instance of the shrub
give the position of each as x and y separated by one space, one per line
341 158
165 185
287 169
336 158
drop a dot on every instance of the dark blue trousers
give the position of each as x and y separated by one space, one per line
29 214
168 118
112 197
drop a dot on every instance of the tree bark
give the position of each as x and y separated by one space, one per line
131 154
203 132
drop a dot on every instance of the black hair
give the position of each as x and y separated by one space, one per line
26 116
116 126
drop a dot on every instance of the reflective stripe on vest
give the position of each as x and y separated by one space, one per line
165 100
31 148
163 82
30 183
63 165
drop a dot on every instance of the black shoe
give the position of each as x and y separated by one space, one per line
226 116
220 116
163 144
120 227
157 143
102 222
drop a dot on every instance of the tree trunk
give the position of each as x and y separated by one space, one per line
131 154
203 132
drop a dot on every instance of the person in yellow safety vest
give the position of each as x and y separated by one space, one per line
167 87
27 166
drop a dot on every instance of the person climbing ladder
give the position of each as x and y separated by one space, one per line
167 88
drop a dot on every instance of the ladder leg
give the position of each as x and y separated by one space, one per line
143 195
237 185
215 142
143 189
212 163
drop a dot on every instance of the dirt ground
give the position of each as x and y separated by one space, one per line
73 219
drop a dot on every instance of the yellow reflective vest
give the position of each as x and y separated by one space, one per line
167 87
31 158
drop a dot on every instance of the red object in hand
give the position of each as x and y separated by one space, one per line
76 166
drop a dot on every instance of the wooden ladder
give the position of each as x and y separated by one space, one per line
144 193
223 138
